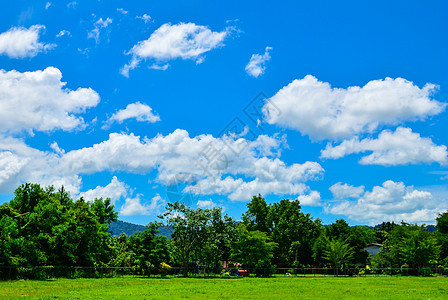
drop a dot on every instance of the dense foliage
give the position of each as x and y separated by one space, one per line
46 227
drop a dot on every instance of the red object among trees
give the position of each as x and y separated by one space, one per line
242 273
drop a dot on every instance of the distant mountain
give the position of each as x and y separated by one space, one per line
430 228
119 227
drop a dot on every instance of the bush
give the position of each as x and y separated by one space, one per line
425 271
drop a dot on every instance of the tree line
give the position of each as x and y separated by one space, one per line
46 227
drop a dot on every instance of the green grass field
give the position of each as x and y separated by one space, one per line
216 288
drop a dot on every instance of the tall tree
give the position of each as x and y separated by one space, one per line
289 225
442 234
409 245
148 249
256 216
338 253
190 230
253 250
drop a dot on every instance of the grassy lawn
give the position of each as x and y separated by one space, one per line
260 288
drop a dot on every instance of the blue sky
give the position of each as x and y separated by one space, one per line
149 102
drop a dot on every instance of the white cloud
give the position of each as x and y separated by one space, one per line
98 26
19 42
206 204
21 163
38 101
344 191
72 4
10 165
257 63
241 190
124 12
177 154
393 201
146 18
256 169
134 206
315 109
169 42
47 5
311 199
139 111
391 148
63 32
115 190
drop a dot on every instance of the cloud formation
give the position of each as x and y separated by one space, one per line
316 109
139 111
39 101
206 204
134 206
393 201
257 169
115 190
400 147
99 25
19 42
146 18
344 191
186 41
257 63
310 199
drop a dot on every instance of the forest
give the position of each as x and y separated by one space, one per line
45 227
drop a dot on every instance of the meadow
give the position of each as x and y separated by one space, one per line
396 287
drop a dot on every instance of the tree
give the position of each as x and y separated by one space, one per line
409 245
149 250
338 252
253 250
191 229
222 233
256 216
359 237
104 210
442 234
46 227
289 225
382 230
338 230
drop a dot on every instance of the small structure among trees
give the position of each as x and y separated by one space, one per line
373 248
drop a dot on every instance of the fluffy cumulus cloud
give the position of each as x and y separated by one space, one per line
139 111
99 25
186 41
344 191
22 163
19 42
115 190
192 161
311 199
257 63
393 201
220 172
39 101
391 148
316 109
134 206
206 204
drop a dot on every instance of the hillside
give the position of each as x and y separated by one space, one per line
127 228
